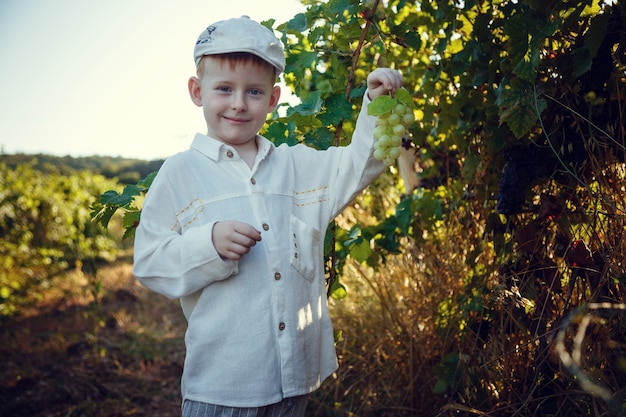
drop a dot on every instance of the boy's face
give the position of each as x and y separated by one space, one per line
235 99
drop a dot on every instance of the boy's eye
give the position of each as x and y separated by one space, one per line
224 89
255 92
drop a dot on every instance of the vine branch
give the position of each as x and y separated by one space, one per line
369 17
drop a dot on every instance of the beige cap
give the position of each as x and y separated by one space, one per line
240 35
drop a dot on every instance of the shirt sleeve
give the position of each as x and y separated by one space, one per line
356 167
168 261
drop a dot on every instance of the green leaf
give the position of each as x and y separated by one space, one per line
353 236
299 61
337 108
361 251
385 103
413 39
279 133
298 23
526 67
404 97
112 197
381 105
145 183
102 214
310 106
339 7
323 138
519 109
130 223
358 92
404 214
131 218
338 290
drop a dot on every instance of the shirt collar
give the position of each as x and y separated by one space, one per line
213 148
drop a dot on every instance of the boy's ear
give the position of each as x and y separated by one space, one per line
274 98
194 91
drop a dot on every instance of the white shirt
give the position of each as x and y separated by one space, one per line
258 328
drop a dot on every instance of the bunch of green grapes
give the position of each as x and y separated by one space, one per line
394 115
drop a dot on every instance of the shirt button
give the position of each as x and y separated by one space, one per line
281 326
295 255
229 154
253 181
266 227
277 276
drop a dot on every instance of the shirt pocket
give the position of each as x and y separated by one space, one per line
305 248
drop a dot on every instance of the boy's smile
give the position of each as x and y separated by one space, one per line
236 99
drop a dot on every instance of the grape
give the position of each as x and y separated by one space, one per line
391 131
379 131
394 119
385 141
400 109
399 130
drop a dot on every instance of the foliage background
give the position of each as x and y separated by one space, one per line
518 219
496 286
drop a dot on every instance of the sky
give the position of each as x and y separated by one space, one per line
109 78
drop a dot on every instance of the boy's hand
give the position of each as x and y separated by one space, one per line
383 81
233 239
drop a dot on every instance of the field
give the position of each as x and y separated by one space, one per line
70 354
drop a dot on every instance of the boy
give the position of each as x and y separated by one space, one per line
235 226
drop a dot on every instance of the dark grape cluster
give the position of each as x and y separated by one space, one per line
523 165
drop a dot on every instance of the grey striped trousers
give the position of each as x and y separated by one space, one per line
289 407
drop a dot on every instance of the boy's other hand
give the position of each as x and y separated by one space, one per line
383 81
233 239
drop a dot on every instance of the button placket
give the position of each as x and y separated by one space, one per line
295 247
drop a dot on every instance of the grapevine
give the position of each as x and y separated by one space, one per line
111 201
394 116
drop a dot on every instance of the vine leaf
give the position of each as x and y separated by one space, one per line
130 222
383 104
298 23
110 201
519 109
527 32
405 98
337 109
310 106
113 198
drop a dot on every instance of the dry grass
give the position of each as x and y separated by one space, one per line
389 342
95 345
102 345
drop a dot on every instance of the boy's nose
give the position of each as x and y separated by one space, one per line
238 102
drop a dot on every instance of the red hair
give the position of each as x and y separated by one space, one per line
233 59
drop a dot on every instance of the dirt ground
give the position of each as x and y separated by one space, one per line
68 355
